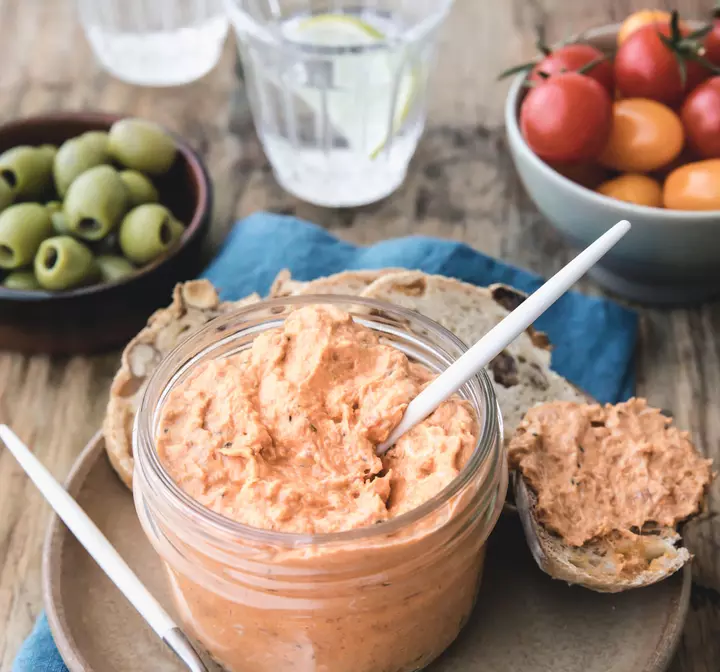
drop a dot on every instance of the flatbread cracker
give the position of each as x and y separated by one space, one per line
194 304
521 373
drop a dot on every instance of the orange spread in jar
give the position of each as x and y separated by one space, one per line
282 436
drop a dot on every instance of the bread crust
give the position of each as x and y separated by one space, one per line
193 305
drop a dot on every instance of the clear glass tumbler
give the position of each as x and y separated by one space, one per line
337 89
155 42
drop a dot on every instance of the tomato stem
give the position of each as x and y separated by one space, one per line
675 26
698 57
541 41
517 69
700 32
687 47
589 66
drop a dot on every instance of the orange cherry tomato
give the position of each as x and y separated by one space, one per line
643 18
634 188
695 186
645 136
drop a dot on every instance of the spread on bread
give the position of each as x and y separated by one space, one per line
607 470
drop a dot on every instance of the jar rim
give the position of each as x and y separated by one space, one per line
147 460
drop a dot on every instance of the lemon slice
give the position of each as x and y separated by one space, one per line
337 30
357 87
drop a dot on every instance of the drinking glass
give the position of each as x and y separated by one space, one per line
155 42
338 90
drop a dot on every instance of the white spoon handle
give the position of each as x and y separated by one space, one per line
502 334
101 550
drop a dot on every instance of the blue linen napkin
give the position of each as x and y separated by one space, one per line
594 338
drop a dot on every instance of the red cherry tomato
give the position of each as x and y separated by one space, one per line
643 18
700 115
712 42
566 118
571 58
645 67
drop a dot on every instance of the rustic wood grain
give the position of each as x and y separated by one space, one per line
461 186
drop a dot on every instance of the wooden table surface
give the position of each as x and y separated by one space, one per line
461 186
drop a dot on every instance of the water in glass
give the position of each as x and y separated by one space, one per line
338 90
155 42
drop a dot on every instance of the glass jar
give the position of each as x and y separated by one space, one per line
389 598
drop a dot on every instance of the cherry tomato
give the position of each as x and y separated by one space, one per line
645 136
700 115
566 118
645 67
643 18
634 188
712 41
572 57
695 186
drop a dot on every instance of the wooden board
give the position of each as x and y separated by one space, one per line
523 619
461 186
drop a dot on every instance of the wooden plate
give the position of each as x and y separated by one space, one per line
523 621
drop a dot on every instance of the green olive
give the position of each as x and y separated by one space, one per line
27 171
95 203
113 268
177 229
63 263
49 150
21 280
74 157
57 216
98 140
142 145
140 189
53 206
146 232
60 223
22 228
6 195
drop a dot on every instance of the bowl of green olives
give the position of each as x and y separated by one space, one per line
100 216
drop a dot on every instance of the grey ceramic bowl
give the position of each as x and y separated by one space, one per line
668 257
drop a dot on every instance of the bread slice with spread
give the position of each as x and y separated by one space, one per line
521 372
601 491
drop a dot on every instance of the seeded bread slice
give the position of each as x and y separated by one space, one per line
521 373
609 565
351 283
194 304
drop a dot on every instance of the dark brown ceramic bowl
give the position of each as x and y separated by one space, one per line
103 316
